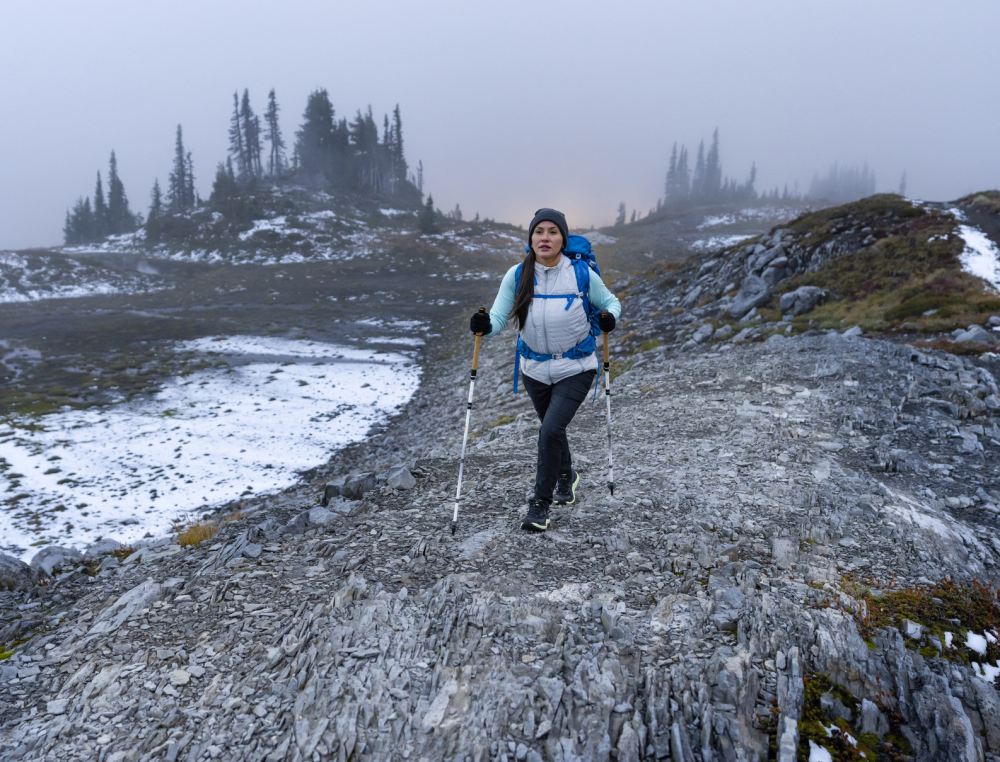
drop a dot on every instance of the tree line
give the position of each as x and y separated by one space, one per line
106 216
329 154
704 184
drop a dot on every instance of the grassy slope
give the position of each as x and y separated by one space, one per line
909 279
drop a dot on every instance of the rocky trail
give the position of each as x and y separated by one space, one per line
691 616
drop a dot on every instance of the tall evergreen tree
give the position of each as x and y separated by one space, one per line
315 139
237 143
190 194
155 203
713 170
397 145
620 219
670 186
683 175
100 219
251 136
698 180
276 154
120 217
177 188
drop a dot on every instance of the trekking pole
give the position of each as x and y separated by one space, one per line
468 418
607 396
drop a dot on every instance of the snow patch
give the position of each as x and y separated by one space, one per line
818 753
975 642
987 672
248 427
981 257
717 242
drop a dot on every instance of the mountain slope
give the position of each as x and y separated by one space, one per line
781 510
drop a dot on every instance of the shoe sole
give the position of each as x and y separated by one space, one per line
572 489
531 526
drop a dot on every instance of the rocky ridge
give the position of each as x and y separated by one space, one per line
766 495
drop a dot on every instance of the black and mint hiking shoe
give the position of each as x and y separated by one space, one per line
565 492
537 519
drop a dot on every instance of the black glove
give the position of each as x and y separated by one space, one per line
480 323
606 321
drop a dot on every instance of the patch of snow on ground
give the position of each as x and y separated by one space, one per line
204 440
399 325
746 215
718 242
975 642
596 238
818 753
987 672
277 224
24 279
394 212
981 257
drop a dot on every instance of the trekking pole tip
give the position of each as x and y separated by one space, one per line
611 486
454 527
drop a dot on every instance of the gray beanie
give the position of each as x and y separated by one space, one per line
550 215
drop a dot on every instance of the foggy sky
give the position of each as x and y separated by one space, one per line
511 105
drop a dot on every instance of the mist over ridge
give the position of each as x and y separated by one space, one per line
575 105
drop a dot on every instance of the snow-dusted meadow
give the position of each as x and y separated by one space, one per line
271 408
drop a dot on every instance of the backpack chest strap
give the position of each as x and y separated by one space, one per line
568 297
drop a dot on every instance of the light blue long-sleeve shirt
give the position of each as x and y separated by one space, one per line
553 325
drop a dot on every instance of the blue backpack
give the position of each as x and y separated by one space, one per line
579 251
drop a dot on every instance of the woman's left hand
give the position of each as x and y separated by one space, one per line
606 321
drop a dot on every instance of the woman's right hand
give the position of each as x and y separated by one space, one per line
480 323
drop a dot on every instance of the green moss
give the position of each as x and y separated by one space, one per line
650 344
7 651
814 722
945 606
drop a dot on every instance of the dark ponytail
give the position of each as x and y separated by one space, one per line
525 291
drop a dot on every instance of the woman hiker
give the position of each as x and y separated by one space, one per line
557 358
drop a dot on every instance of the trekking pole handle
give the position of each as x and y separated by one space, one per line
475 351
605 349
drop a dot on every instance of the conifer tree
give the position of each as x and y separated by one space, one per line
420 176
713 171
120 217
316 138
670 186
427 222
155 203
177 188
79 227
902 184
237 144
683 176
100 218
251 136
620 219
276 154
698 180
190 194
397 145
224 189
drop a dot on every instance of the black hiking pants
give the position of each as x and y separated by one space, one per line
556 404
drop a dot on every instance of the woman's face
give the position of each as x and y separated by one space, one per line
546 241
